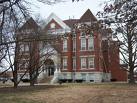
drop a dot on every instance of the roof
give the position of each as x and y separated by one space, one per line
88 16
71 22
30 24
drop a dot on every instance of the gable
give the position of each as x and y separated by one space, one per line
30 24
88 17
58 22
53 25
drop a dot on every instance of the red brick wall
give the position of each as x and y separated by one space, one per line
114 66
70 54
105 57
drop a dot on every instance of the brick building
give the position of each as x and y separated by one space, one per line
27 49
83 52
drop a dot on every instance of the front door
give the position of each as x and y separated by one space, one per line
50 68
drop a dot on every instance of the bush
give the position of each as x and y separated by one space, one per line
25 80
62 80
79 80
113 79
69 80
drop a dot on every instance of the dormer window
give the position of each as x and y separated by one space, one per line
52 25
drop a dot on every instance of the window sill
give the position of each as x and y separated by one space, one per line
83 50
83 69
64 51
87 69
87 50
91 68
64 69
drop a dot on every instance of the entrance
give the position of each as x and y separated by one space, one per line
49 67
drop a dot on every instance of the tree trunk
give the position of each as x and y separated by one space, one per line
31 73
33 79
15 72
131 76
32 82
15 79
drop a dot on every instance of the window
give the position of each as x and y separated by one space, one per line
21 49
64 63
74 44
26 76
90 62
52 25
83 76
83 63
65 45
24 64
74 63
83 43
26 47
90 43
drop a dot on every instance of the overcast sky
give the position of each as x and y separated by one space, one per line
68 9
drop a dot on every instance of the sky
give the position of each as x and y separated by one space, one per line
66 10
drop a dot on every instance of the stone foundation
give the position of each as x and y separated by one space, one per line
86 76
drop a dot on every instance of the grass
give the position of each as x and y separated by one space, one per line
102 85
15 98
70 93
10 95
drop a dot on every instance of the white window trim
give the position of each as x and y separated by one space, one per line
81 44
92 62
65 57
82 63
65 45
87 62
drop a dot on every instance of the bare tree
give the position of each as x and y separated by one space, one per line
122 17
35 55
12 15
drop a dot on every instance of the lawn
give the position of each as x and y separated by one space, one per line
71 93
